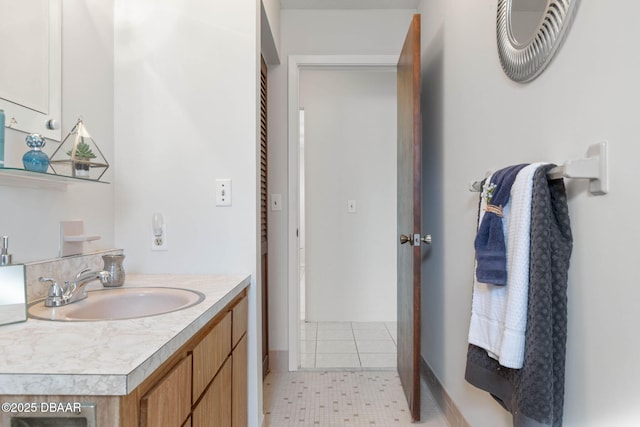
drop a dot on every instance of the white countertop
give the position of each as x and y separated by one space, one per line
106 358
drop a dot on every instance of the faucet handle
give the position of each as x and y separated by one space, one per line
55 297
54 290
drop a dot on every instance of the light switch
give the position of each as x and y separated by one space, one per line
276 202
223 192
351 206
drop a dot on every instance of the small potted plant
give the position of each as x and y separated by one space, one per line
81 160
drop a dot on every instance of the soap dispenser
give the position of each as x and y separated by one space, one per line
13 290
5 256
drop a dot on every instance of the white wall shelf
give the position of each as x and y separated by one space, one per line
72 238
14 177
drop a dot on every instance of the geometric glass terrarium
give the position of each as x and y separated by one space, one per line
79 156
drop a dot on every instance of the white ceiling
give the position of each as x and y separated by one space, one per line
349 4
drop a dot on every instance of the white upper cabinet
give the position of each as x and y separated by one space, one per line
30 66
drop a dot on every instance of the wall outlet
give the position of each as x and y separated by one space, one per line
159 243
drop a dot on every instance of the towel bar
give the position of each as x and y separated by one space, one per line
593 167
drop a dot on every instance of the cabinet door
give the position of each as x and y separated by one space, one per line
168 404
209 355
239 384
214 409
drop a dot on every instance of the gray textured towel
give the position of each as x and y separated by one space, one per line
535 394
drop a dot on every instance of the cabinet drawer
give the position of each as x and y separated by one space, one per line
169 403
240 314
210 354
214 410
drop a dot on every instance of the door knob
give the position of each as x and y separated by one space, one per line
405 239
415 240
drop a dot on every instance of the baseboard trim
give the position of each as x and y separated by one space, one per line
451 412
279 361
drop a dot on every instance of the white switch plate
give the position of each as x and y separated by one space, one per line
223 192
276 202
351 206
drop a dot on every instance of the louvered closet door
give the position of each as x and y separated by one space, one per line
263 217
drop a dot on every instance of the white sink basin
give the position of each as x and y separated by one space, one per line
120 303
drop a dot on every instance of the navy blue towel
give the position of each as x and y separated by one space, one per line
491 250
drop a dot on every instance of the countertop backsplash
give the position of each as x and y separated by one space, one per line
60 269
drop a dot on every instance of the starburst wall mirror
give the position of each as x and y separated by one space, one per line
529 33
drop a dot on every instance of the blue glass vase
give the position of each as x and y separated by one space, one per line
35 159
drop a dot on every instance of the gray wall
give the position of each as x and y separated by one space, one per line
476 119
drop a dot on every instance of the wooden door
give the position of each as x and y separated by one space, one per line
264 259
409 173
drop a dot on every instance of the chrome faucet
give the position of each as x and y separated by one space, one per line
75 290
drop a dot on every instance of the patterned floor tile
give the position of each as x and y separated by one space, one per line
337 399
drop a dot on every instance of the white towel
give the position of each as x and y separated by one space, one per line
499 313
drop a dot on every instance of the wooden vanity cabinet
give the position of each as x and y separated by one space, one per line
240 318
210 354
214 408
203 384
239 400
169 402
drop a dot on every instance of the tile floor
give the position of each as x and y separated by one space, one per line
343 398
348 345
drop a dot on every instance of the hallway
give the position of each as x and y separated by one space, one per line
348 345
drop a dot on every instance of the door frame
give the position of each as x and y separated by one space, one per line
296 64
